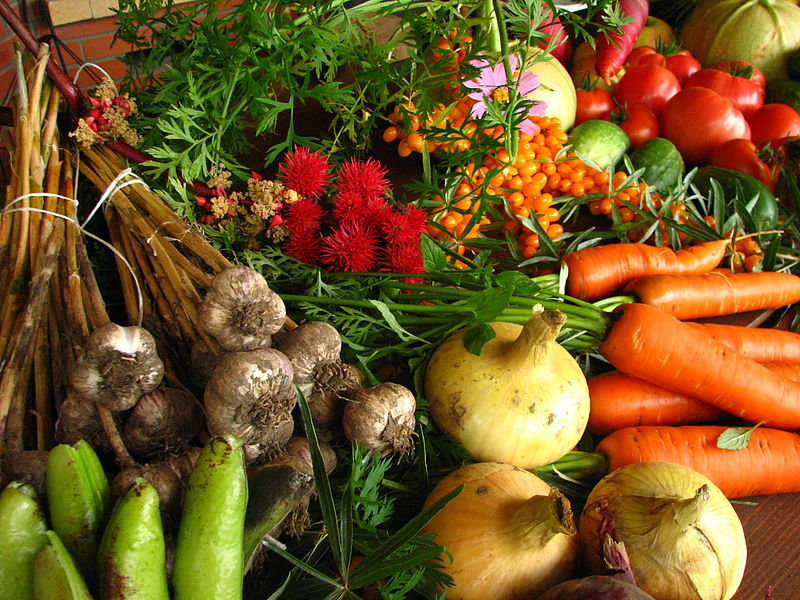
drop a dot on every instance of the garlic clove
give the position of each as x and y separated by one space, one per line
240 311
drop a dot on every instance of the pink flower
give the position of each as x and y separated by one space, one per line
493 86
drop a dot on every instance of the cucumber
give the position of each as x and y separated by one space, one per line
784 91
600 142
756 198
662 163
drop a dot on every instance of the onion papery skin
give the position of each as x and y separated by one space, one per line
523 401
683 538
510 534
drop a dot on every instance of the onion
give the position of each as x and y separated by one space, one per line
683 537
524 400
510 535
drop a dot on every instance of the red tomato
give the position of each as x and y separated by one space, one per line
743 68
594 104
742 155
649 84
638 121
773 123
645 55
683 65
698 119
744 94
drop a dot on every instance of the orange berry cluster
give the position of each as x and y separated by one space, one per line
747 253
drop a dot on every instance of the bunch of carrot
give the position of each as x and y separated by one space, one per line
674 376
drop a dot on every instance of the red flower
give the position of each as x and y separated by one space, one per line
352 248
304 246
366 178
305 172
405 258
349 206
302 216
404 226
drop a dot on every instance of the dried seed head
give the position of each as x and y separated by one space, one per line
381 418
240 311
250 395
117 367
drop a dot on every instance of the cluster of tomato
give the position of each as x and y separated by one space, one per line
713 115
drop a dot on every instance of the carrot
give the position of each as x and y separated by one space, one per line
716 294
650 344
613 50
617 400
760 344
598 271
769 464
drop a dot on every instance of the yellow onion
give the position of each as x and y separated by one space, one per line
523 401
683 538
510 535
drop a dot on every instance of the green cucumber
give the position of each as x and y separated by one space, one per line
23 532
752 197
662 163
784 91
600 142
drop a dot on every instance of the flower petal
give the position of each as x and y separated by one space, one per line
478 109
527 83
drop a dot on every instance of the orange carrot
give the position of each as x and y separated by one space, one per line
767 465
648 343
716 294
617 400
599 271
760 344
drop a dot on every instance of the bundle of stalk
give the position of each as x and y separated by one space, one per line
49 299
172 262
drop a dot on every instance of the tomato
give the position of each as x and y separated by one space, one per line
698 119
638 121
649 84
773 123
744 94
741 155
683 65
655 31
645 55
593 104
743 68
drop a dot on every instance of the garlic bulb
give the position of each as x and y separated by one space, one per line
240 311
381 418
683 538
117 367
251 396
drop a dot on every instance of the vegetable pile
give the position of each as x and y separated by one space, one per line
401 300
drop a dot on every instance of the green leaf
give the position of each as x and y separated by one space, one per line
736 438
391 320
475 337
489 303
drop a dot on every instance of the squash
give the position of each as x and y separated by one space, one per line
763 32
556 90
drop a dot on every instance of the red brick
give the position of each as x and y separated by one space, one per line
115 68
103 46
81 29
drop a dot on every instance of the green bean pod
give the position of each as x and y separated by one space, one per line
23 532
56 575
132 553
209 553
79 500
